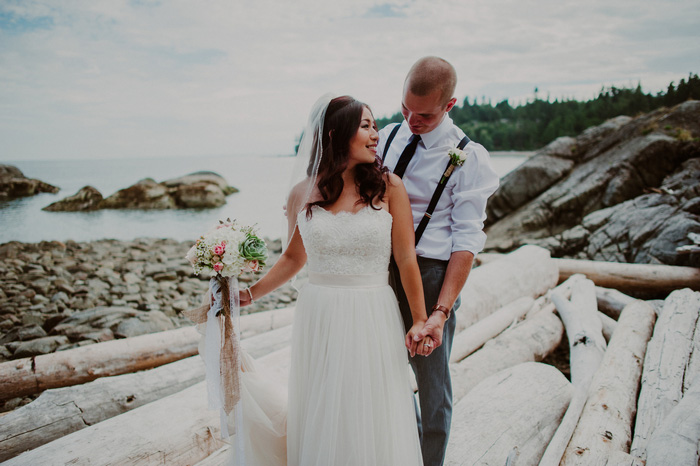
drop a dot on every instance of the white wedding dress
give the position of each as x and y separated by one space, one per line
350 398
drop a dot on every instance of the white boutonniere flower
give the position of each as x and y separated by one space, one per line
457 156
457 159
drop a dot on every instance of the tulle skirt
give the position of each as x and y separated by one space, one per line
350 398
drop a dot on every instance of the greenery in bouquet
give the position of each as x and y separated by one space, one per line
228 250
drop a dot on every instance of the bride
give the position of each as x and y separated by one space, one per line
349 397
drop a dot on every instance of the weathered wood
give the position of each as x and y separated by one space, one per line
527 271
58 412
472 338
218 458
620 458
584 331
611 302
675 440
665 365
544 302
261 322
606 422
586 348
608 325
75 366
632 277
178 429
79 365
515 410
531 340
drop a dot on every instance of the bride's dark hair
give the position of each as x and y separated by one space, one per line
343 118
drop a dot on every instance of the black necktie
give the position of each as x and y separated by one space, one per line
406 155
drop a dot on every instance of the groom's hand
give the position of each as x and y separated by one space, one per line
433 328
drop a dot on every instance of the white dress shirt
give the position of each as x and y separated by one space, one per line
458 220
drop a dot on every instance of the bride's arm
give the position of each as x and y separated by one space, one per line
404 250
289 263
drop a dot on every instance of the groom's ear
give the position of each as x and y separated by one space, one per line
451 103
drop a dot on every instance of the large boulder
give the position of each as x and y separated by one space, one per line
146 194
88 198
194 191
625 191
14 184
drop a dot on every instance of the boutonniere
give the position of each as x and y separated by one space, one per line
457 158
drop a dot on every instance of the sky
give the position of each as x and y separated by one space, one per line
85 79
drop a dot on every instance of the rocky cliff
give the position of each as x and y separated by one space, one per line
625 191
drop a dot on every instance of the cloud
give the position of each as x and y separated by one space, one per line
105 78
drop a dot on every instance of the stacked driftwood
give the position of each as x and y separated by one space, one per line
632 397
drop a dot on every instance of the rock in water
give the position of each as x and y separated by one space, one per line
14 184
146 194
624 191
88 198
197 190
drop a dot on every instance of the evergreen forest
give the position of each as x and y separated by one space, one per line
538 122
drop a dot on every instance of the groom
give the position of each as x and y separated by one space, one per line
416 150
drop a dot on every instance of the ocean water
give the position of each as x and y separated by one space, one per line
263 183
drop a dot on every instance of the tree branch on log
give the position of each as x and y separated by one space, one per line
586 348
605 425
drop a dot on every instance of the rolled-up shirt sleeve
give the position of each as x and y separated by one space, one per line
475 182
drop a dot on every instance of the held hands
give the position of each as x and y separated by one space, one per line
423 346
432 329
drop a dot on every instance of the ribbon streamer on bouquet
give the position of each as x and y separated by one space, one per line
222 348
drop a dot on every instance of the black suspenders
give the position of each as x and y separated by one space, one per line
389 139
438 189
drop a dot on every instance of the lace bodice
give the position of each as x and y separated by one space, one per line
346 242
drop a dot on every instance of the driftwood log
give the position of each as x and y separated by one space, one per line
79 365
58 412
514 412
586 348
528 271
632 277
675 440
472 338
605 425
665 365
627 278
531 340
620 458
611 302
178 429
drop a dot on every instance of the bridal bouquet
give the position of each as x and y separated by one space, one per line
225 253
228 251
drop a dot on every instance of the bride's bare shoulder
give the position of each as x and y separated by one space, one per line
392 182
299 195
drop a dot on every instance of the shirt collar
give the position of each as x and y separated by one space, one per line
435 136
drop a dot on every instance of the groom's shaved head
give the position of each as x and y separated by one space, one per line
429 74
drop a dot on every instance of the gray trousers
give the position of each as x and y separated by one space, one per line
432 372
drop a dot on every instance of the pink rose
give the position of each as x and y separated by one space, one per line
218 267
253 266
220 249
